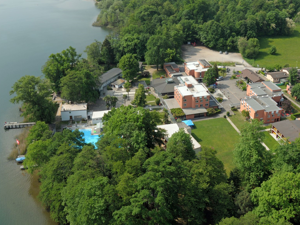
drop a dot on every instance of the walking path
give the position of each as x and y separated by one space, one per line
232 124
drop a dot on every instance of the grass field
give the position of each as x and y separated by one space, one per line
220 135
288 48
270 141
222 63
157 74
238 119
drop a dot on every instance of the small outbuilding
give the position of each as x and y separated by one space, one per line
250 76
75 112
97 116
109 77
118 83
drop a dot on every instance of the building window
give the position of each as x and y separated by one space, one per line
206 104
184 100
201 100
200 105
196 101
256 114
197 106
184 104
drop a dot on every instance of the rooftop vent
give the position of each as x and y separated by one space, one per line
170 80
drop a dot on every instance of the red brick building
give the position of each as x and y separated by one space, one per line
197 69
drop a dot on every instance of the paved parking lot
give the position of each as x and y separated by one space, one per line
231 92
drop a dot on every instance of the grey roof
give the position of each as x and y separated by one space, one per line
172 103
278 75
262 103
204 62
251 75
162 86
118 82
110 74
212 103
290 129
271 85
192 111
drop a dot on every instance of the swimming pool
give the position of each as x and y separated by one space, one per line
88 137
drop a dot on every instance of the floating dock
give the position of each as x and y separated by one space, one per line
16 125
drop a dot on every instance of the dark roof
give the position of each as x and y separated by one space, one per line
251 75
278 75
169 68
290 129
289 68
110 74
204 62
164 85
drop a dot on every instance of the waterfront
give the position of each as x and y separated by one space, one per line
29 32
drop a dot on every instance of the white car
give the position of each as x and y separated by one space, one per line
219 78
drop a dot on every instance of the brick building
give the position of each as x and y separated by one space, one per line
197 69
262 108
172 69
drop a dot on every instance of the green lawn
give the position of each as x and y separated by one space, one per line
238 119
158 74
288 48
270 141
150 98
222 63
220 135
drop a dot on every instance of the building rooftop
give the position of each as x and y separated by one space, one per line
74 107
174 65
261 103
192 111
290 129
260 89
197 90
249 74
165 85
204 62
99 114
110 74
118 82
195 66
278 75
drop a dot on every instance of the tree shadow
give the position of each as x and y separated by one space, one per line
196 137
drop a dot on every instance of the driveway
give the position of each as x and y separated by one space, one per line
192 54
232 93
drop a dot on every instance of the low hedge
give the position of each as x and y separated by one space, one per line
177 112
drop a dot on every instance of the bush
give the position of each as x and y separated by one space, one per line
233 77
244 88
228 113
225 116
219 99
211 89
293 117
147 82
272 50
108 87
211 111
179 120
177 112
157 101
165 97
233 108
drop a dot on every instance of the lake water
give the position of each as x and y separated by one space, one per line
30 31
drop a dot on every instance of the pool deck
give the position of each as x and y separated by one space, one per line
86 127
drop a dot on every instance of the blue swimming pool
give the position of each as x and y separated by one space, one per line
88 137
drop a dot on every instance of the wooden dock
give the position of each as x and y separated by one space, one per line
16 125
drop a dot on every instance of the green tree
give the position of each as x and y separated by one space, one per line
245 113
34 93
251 157
272 50
107 55
107 100
113 101
180 144
165 116
127 87
250 48
79 86
286 105
249 219
38 131
278 198
140 96
58 64
157 46
93 52
209 77
216 71
129 66
157 101
125 97
296 91
243 202
293 76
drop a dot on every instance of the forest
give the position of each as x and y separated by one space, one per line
130 178
218 24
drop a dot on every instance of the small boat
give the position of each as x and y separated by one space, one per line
20 158
22 167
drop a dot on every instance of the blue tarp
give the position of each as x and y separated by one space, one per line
20 159
188 122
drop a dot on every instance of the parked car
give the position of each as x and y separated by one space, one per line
219 78
226 53
221 52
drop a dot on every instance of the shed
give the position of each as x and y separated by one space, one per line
118 83
109 77
97 116
74 112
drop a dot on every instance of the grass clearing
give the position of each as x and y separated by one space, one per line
270 141
238 119
158 73
220 135
150 98
222 63
288 48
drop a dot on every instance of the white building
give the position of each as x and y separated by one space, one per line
73 112
173 128
109 77
97 116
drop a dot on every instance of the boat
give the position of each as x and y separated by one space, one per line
20 158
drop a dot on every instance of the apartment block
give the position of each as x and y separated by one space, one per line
197 69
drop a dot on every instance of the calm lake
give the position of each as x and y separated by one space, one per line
29 32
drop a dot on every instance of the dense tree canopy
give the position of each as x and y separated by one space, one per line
129 66
34 93
140 96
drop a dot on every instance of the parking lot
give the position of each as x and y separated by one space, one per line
232 93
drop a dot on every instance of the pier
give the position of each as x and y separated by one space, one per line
16 125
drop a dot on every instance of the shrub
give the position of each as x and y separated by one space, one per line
108 87
147 82
211 111
233 77
225 116
177 112
211 89
165 97
293 117
228 113
233 108
179 120
272 50
219 99
157 101
244 88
